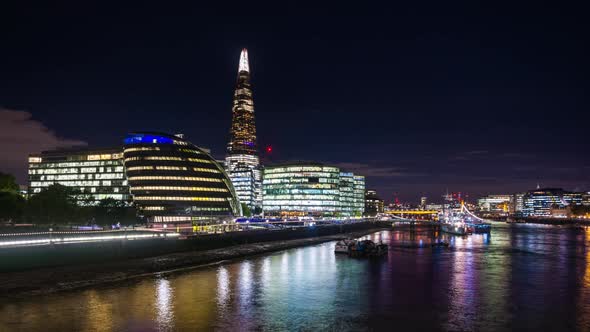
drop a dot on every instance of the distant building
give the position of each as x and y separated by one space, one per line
95 174
434 207
242 162
540 202
176 183
423 201
496 204
518 204
311 189
373 203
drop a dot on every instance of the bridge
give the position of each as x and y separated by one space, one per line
411 212
412 215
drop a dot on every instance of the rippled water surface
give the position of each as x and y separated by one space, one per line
519 277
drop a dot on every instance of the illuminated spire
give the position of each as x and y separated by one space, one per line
244 61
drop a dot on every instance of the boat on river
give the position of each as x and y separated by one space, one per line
462 222
342 246
454 228
367 248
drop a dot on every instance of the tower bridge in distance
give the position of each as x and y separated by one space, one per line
413 214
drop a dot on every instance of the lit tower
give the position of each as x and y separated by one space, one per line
241 162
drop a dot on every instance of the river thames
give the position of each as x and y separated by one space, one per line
518 277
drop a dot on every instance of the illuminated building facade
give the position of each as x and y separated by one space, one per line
373 204
496 204
347 193
518 203
359 196
311 189
242 162
541 202
175 182
96 174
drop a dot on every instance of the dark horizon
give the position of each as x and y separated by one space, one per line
471 98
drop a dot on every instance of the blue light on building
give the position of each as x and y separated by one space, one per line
146 139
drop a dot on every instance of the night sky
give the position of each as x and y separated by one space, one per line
420 98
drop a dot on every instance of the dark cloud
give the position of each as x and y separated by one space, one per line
20 135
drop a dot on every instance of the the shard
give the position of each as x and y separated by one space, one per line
242 162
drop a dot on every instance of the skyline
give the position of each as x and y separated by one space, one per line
424 110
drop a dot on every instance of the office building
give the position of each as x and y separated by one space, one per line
242 162
95 174
174 182
373 204
359 196
540 202
346 187
311 189
500 205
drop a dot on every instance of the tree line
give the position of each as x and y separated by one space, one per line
58 205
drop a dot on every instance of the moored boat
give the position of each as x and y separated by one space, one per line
367 248
454 228
342 246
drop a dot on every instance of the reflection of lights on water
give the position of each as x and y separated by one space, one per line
164 308
265 270
245 283
462 293
313 255
223 287
299 262
285 260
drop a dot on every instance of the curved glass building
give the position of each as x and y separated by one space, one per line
175 182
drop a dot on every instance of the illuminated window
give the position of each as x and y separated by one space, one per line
181 178
179 188
179 198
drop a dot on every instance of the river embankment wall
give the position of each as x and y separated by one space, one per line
32 257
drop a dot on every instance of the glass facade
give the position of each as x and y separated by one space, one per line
175 182
242 163
96 174
347 193
540 202
311 190
359 196
246 175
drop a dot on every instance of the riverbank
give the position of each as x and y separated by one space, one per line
54 279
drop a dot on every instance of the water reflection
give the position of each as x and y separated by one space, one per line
518 277
223 288
164 305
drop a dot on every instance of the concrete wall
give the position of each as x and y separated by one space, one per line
24 258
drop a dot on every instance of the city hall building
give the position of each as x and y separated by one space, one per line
95 174
175 183
311 189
